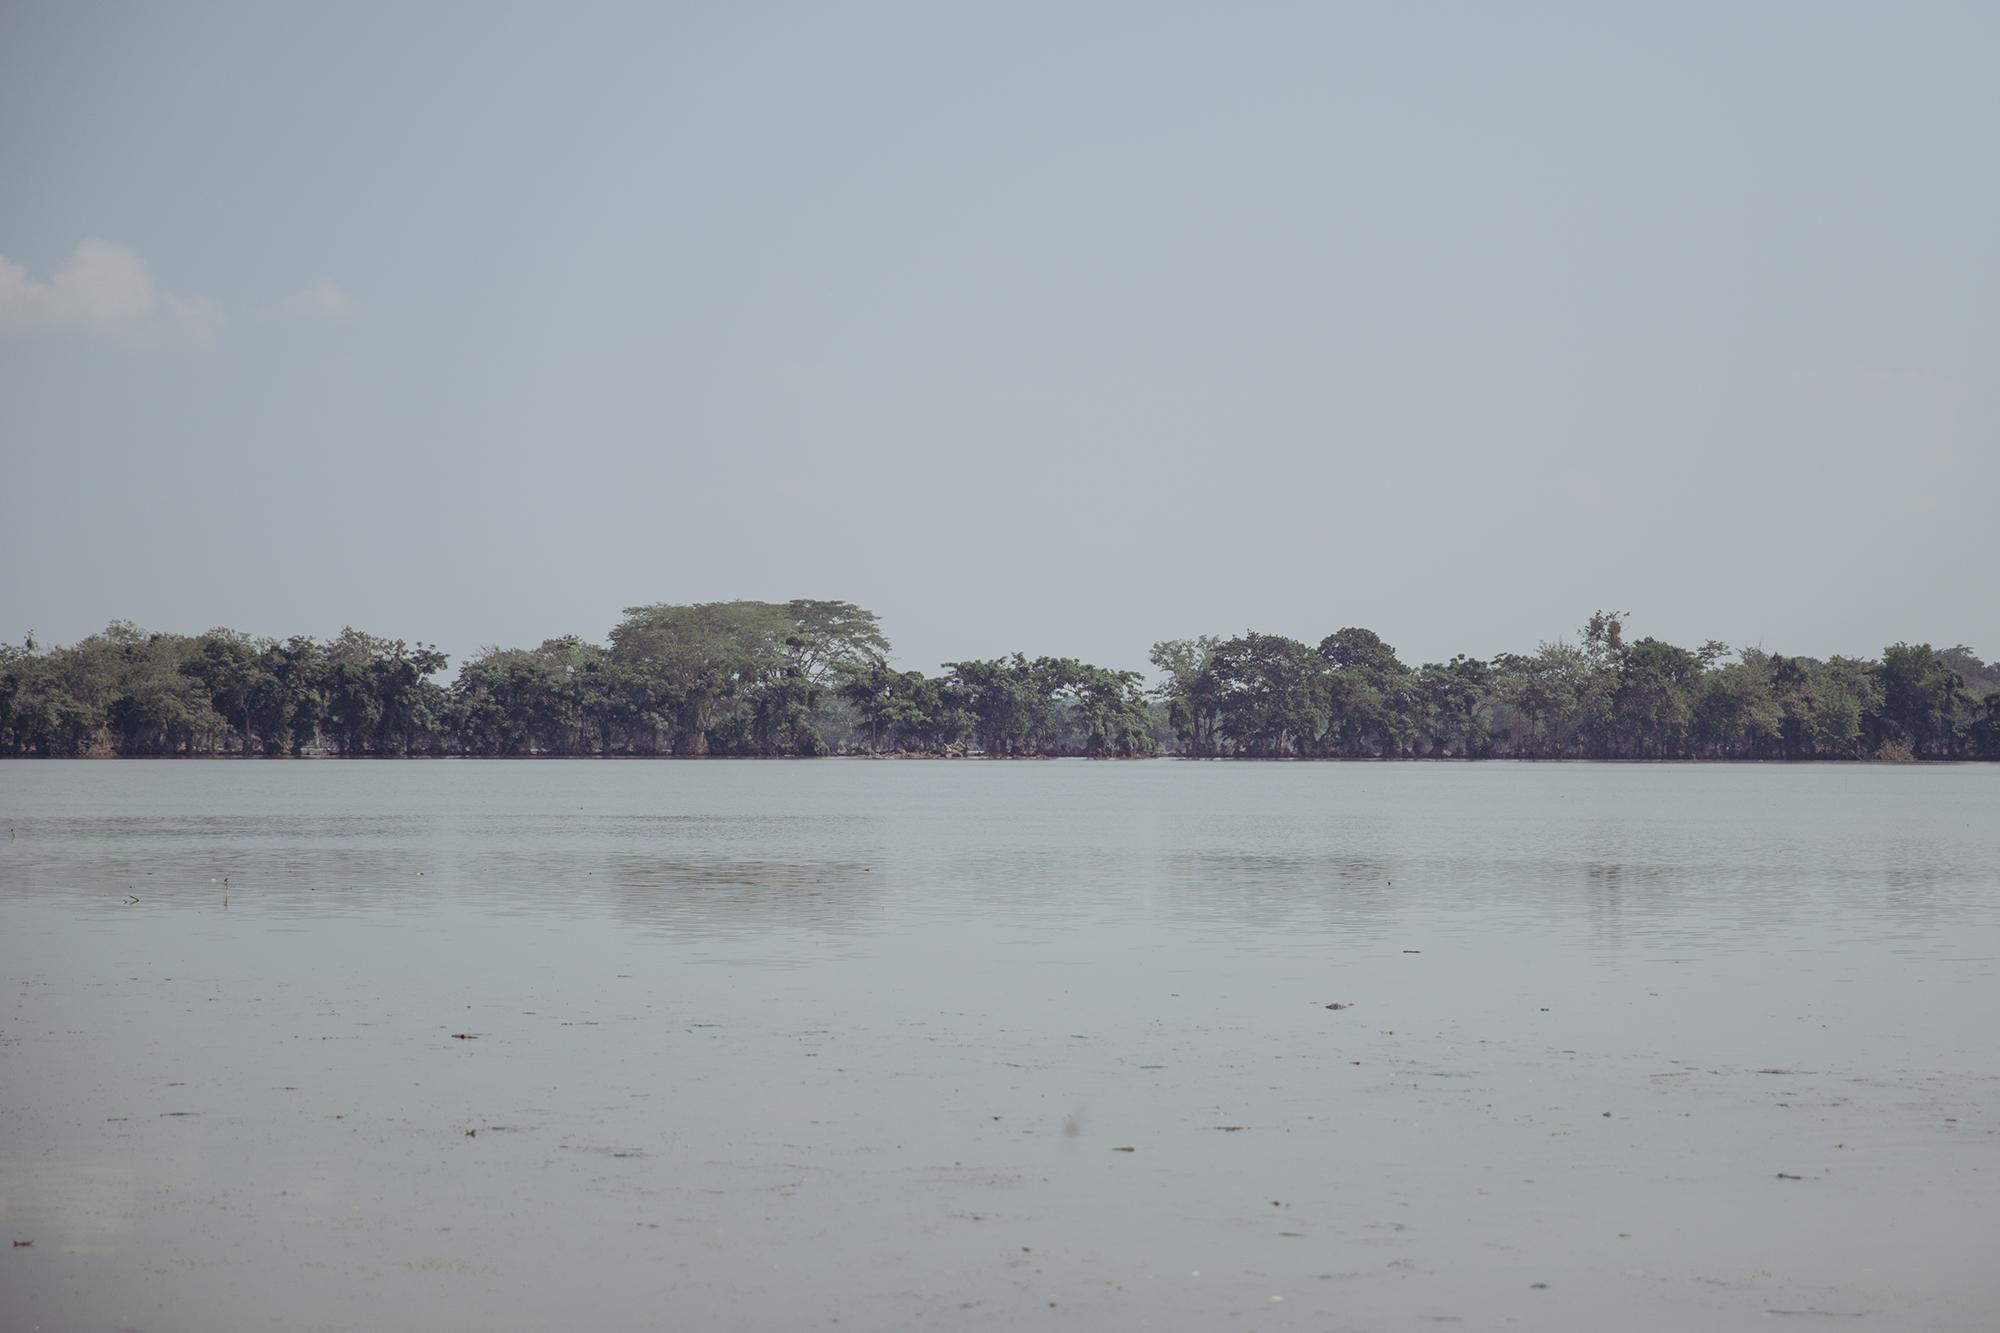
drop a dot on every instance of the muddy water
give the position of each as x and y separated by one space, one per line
995 1046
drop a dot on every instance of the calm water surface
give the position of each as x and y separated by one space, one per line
997 1046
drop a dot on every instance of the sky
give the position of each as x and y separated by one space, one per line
1062 328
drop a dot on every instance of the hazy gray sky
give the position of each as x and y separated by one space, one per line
1060 327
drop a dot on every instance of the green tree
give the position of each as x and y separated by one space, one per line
1653 700
44 711
1843 697
903 710
230 667
380 698
1273 701
288 707
1371 695
1191 691
554 699
1109 713
1923 700
699 660
1453 708
1551 703
1012 702
1738 712
826 638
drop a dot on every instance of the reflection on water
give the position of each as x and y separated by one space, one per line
861 1038
1720 856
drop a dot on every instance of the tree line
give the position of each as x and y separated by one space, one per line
810 677
1602 697
803 677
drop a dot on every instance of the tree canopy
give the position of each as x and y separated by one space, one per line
809 677
1601 697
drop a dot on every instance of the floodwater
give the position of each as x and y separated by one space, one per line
872 1045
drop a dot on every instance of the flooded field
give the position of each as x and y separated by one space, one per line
476 1046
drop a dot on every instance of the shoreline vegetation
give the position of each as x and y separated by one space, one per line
811 678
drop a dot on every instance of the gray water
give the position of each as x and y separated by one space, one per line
865 1045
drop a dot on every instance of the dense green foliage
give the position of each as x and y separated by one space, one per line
1602 698
720 678
812 677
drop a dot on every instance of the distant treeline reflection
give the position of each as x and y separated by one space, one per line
812 678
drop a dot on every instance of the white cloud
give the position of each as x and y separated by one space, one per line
104 286
325 302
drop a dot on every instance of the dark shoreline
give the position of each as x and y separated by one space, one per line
1868 762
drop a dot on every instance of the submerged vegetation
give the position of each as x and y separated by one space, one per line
813 677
